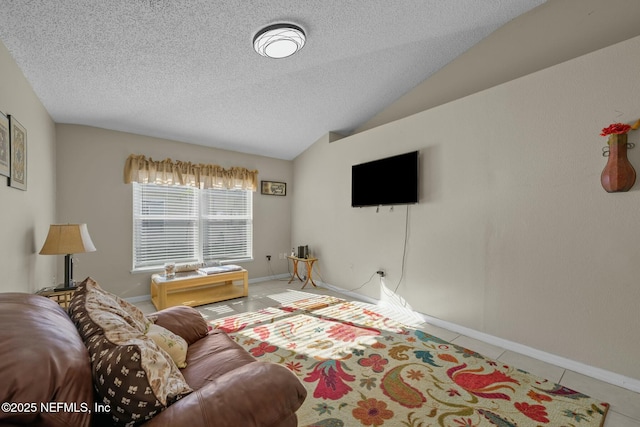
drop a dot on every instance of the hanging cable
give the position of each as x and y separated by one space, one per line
404 250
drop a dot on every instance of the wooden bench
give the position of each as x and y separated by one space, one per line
194 289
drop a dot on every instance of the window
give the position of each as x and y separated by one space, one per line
186 224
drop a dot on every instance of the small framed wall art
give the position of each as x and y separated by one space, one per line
273 188
4 146
18 142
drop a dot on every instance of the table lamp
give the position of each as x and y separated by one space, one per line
67 239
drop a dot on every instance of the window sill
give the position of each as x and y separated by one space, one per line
160 268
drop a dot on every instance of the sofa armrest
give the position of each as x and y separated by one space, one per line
182 320
258 394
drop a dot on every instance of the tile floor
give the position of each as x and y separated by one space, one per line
625 404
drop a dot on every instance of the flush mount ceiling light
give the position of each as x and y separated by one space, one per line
279 40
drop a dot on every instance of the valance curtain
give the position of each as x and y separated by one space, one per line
167 172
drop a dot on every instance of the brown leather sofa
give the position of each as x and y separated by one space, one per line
43 361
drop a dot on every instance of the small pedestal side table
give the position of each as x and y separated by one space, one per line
309 264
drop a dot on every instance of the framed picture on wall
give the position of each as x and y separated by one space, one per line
273 188
4 146
18 153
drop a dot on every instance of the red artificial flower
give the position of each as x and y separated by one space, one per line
615 129
535 412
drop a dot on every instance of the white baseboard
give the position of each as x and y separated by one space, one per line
581 368
563 362
349 293
267 278
140 298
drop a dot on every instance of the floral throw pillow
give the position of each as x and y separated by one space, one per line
131 374
173 344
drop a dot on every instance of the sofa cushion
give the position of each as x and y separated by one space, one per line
131 373
184 321
42 359
212 357
173 344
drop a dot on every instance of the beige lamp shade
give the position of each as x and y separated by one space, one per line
67 239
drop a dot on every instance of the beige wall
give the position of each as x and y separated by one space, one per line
572 28
514 235
25 215
90 163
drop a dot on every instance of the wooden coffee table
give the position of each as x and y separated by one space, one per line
195 289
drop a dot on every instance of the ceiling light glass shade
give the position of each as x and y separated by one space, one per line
279 41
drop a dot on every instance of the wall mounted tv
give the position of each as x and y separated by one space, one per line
389 181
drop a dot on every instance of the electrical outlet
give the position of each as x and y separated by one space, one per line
380 273
268 257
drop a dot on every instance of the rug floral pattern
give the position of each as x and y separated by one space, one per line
362 368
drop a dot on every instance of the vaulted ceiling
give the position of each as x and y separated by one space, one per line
186 70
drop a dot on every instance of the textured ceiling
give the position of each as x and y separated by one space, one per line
186 70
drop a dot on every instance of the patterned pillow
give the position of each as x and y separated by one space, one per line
173 344
123 312
132 375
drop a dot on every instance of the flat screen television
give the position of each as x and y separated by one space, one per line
389 181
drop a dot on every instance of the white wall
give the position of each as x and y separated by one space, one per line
514 235
25 215
90 163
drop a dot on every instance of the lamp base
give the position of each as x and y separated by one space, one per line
69 284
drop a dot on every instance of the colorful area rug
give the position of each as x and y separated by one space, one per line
362 368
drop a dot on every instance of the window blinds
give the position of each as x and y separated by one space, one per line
186 224
226 224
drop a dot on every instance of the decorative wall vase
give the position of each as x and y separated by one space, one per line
618 175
